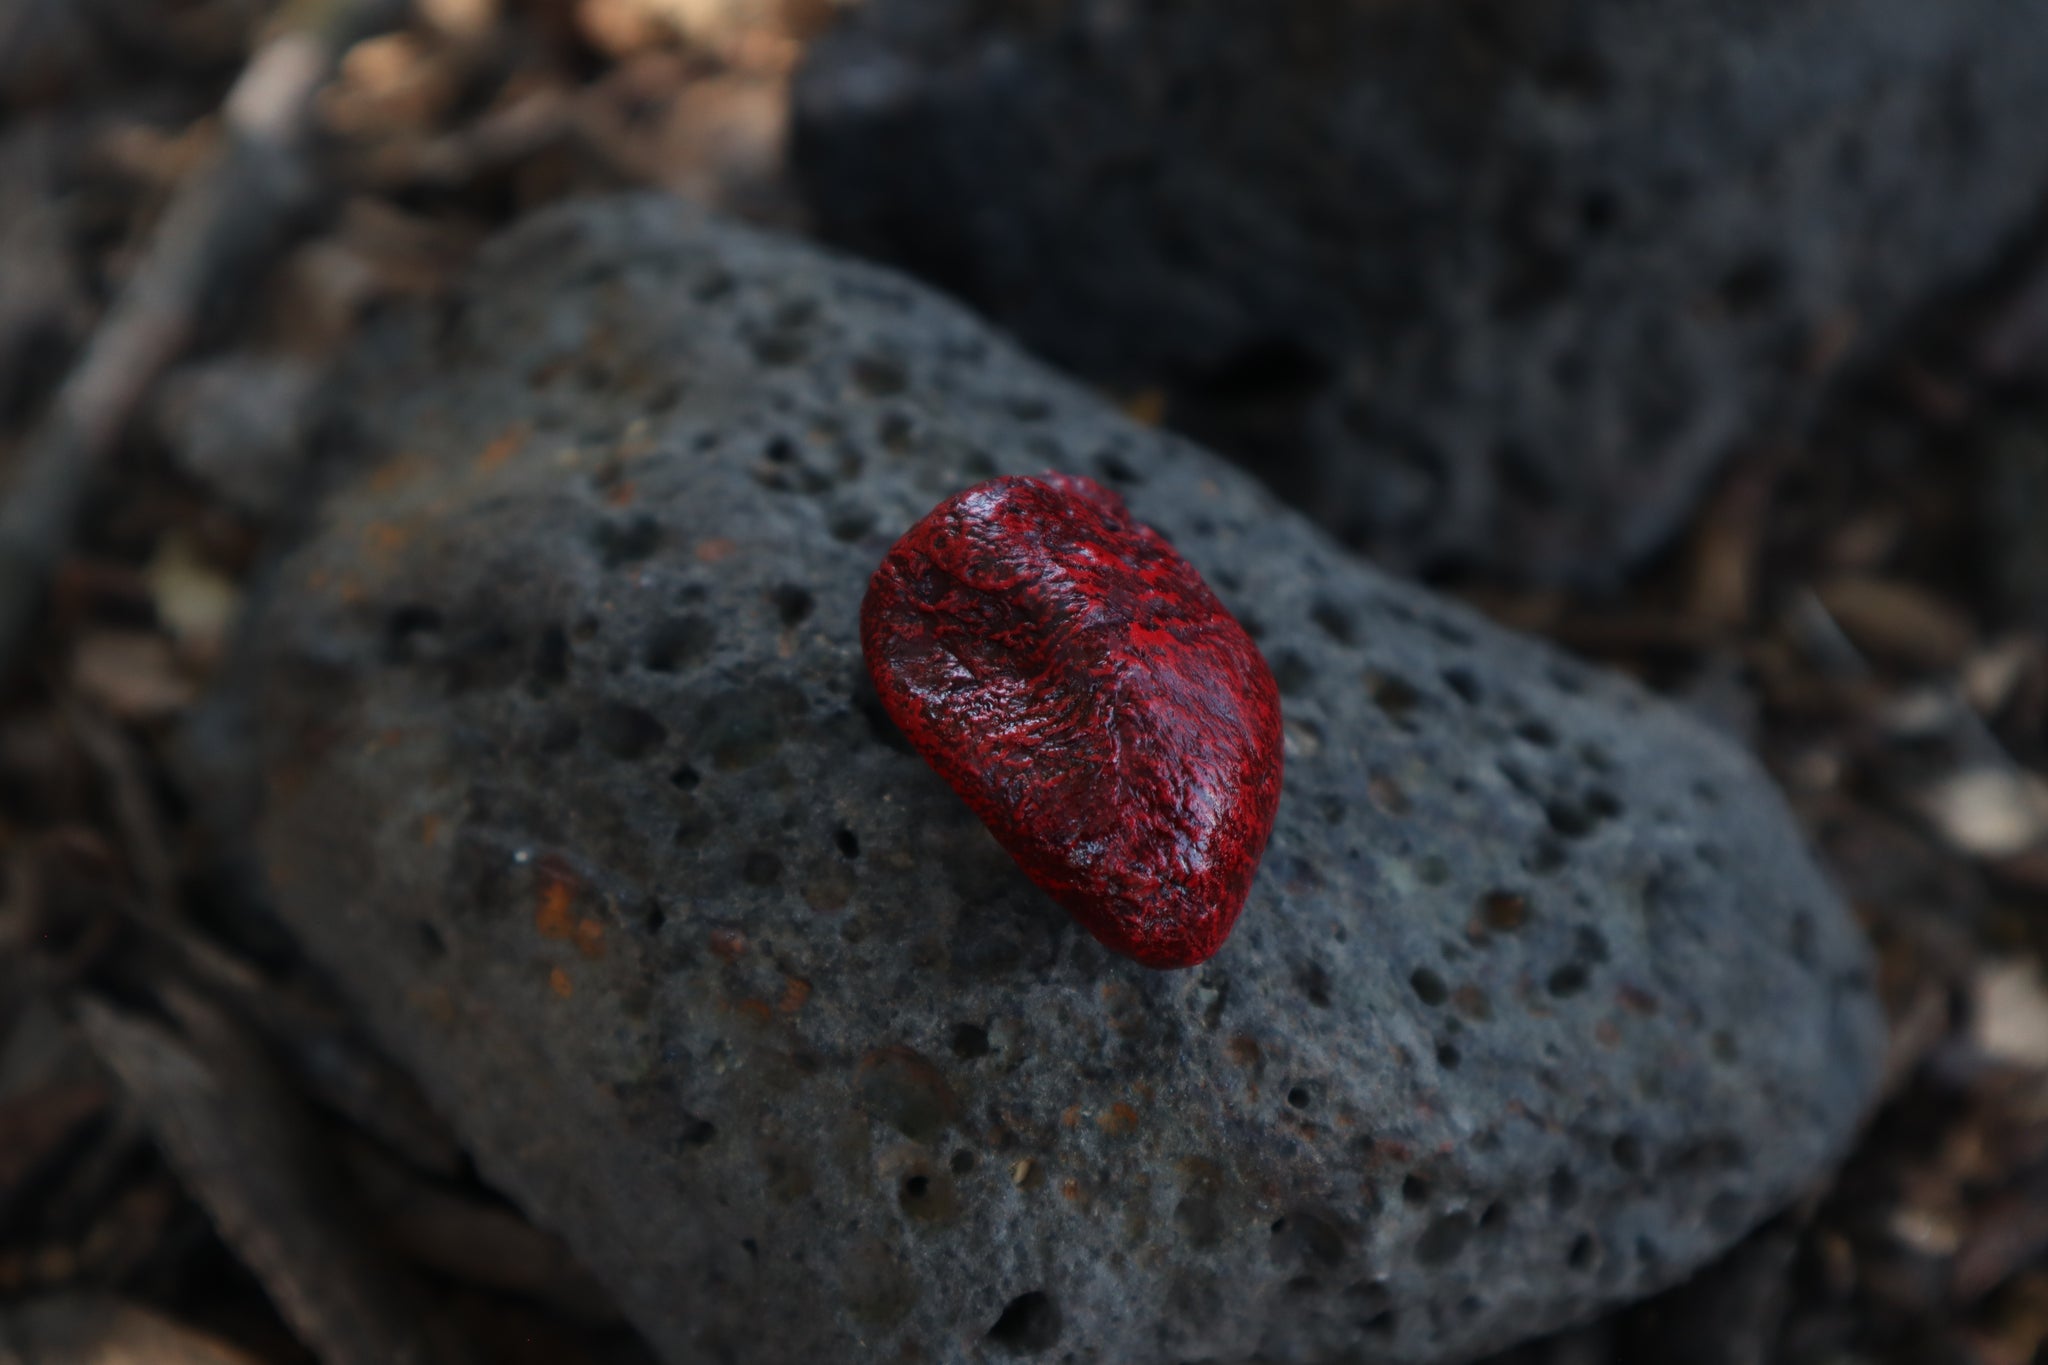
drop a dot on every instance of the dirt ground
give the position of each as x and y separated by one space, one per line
183 248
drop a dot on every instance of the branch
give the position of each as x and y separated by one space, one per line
220 226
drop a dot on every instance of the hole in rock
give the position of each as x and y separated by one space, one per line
1504 912
792 603
970 1041
1030 1324
1335 621
1428 986
626 732
1443 1239
1567 980
551 657
1628 1153
677 644
1395 695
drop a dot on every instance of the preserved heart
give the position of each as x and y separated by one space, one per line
1072 677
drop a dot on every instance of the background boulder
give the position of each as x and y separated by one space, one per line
1482 284
574 782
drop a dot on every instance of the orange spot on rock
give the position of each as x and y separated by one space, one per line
1243 1050
715 550
590 938
1472 1002
1070 1190
434 1002
382 539
1636 1000
557 893
430 829
622 494
728 944
560 984
1118 1120
794 995
502 448
551 369
1071 1117
394 472
756 1009
1388 795
1147 407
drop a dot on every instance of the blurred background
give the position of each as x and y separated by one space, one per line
1709 340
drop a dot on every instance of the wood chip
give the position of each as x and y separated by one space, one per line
2009 1012
195 601
1988 812
96 1329
1722 556
244 1148
38 1128
1898 621
134 675
475 1243
2001 1238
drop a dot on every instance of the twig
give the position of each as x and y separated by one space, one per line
219 226
336 1069
102 1328
241 1144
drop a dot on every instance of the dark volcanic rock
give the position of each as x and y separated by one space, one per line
574 780
1507 279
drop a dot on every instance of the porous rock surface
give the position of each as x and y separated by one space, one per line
574 780
1512 277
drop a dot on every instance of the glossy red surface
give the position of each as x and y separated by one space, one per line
1082 689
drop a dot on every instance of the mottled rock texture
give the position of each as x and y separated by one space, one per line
574 780
1494 282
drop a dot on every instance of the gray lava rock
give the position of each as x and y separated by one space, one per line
235 422
574 781
1511 277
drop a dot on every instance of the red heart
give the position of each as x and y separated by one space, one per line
1076 682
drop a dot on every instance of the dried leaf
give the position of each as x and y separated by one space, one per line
1725 545
1866 540
134 675
396 83
2009 1011
102 1330
2003 1237
196 601
1989 811
485 1245
1993 676
1898 621
246 1150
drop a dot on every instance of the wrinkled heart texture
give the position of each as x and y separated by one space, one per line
1082 689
